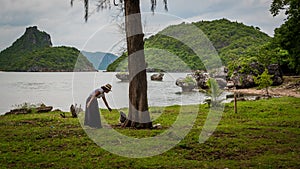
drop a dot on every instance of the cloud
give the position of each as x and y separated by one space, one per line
67 27
250 12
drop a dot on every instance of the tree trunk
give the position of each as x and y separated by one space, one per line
138 116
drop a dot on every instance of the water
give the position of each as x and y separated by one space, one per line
61 89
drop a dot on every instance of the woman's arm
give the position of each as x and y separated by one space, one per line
106 104
92 98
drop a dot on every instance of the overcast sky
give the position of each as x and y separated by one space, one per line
67 27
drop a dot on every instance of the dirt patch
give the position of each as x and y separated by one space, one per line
290 87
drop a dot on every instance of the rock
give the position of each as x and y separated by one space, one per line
221 82
123 117
201 78
63 115
19 111
157 77
187 84
75 110
246 80
274 69
43 109
157 126
230 84
123 76
220 72
256 68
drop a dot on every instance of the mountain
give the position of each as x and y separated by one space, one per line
33 52
230 40
100 60
31 40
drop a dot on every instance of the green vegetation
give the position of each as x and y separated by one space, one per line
264 134
232 40
287 35
34 52
214 90
264 81
52 59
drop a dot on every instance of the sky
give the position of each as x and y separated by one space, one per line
67 27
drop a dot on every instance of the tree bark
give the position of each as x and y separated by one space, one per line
138 116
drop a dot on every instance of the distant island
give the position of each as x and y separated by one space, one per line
33 52
236 44
100 60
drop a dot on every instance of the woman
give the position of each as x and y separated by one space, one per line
92 114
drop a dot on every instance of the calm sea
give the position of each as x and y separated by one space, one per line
60 90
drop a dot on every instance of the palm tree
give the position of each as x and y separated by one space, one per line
138 116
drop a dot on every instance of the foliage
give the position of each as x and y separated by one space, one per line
230 39
287 36
33 52
214 90
261 135
264 80
120 64
26 105
190 80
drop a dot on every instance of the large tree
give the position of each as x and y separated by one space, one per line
138 116
288 35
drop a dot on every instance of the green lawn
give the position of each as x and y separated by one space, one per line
263 134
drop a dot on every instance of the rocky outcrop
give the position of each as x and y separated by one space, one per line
157 77
219 75
241 81
246 80
41 109
123 76
201 79
44 109
19 111
187 84
274 69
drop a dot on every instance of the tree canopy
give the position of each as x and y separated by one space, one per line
288 35
232 40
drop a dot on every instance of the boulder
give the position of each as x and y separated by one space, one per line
123 117
19 111
221 82
123 76
242 81
246 79
187 84
256 68
157 77
201 79
274 69
220 72
75 110
230 84
43 109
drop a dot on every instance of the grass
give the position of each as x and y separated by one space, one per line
263 134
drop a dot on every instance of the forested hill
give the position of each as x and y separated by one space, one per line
230 39
33 51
